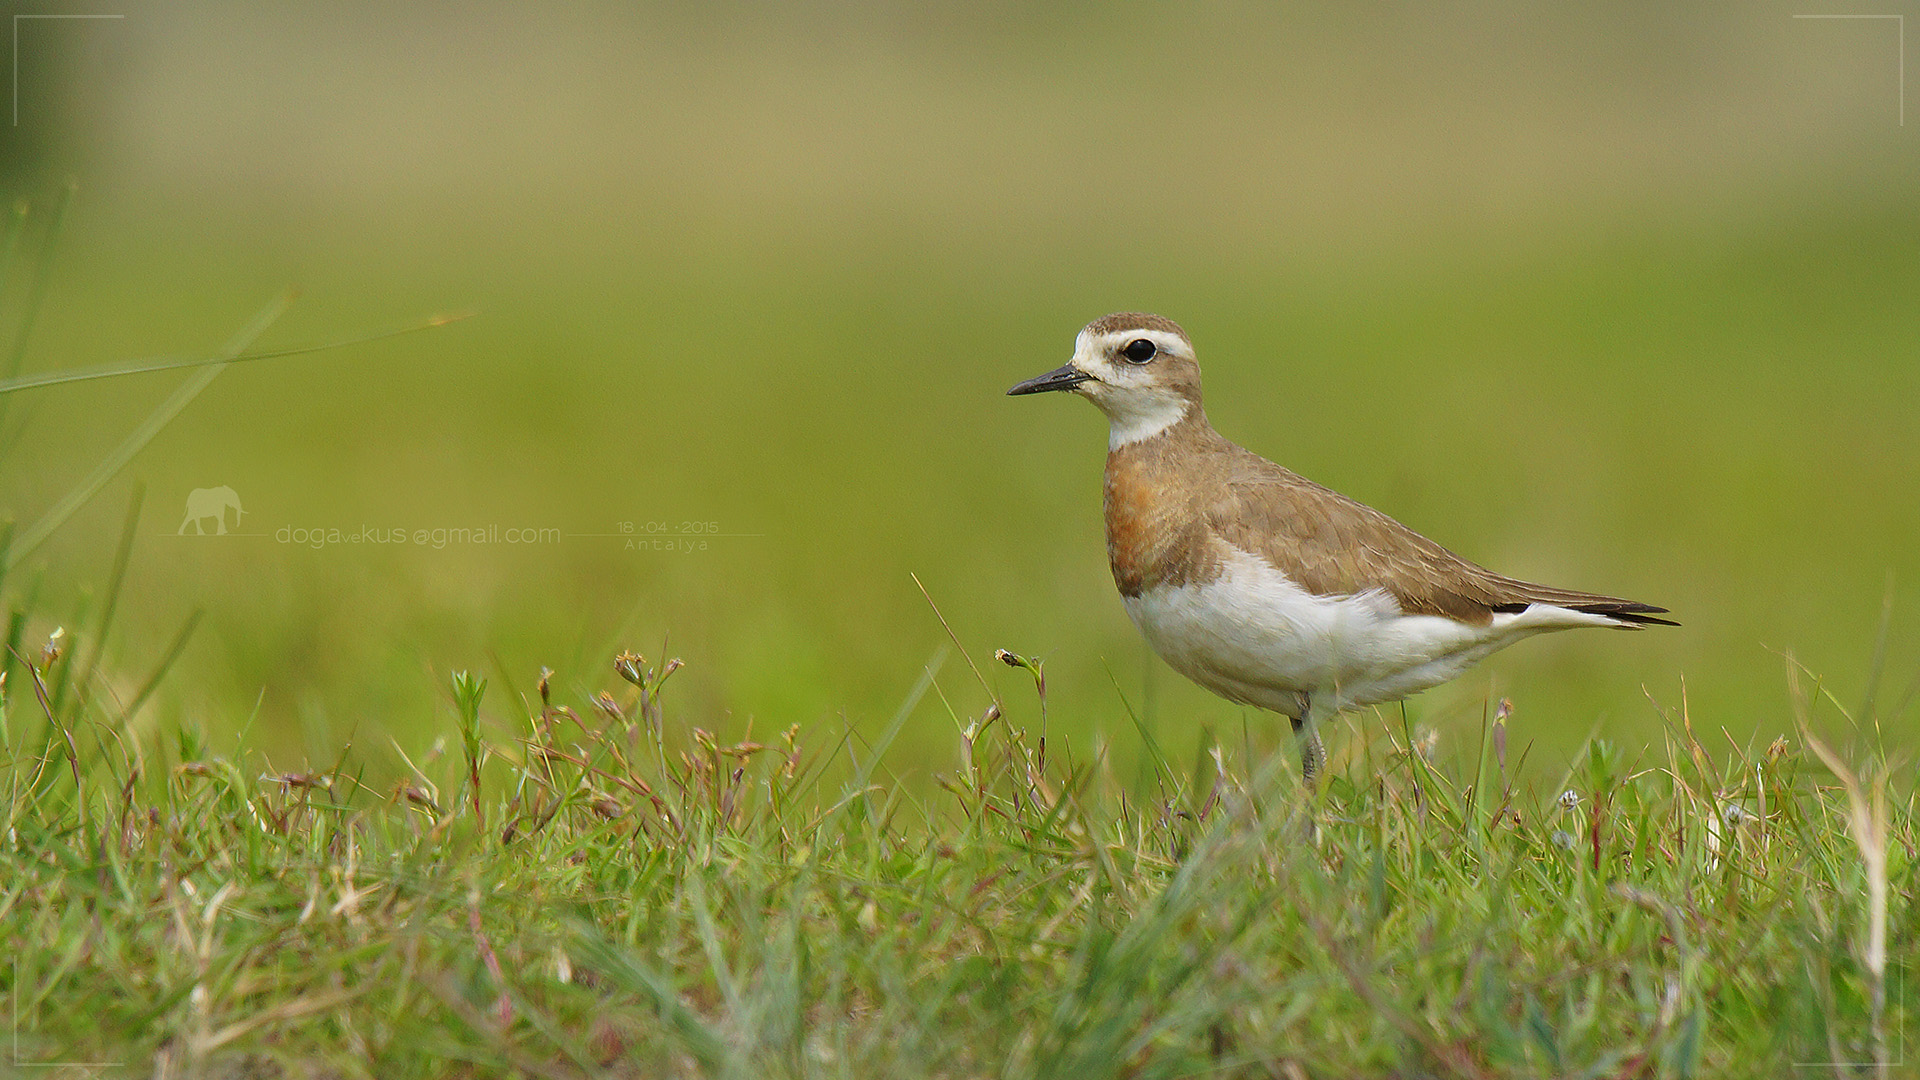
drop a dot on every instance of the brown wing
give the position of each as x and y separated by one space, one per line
1331 545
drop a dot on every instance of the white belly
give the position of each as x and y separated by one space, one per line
1253 636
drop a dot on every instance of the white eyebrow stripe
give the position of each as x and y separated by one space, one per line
1172 344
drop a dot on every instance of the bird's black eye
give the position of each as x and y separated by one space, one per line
1139 351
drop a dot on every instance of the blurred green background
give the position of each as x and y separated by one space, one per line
1616 296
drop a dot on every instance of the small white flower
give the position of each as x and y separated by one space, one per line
1564 839
1734 814
1569 799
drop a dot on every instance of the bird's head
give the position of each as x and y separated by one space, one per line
1138 368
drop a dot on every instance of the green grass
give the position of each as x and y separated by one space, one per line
598 887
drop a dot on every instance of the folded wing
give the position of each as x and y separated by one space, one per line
1329 544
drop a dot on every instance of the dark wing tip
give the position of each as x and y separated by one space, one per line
1628 612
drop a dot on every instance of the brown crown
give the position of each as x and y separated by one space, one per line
1121 322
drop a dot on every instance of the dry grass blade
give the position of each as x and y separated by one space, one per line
307 1005
951 636
1867 824
171 363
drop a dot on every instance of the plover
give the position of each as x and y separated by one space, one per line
1265 587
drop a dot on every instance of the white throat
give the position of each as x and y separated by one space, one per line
1144 419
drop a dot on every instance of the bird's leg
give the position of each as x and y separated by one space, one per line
1313 755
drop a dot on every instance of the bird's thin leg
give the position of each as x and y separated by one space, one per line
1313 755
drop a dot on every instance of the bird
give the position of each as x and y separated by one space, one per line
1266 588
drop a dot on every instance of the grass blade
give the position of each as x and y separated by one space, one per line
144 434
160 670
171 363
621 968
121 557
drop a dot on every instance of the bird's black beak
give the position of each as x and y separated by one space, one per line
1065 377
